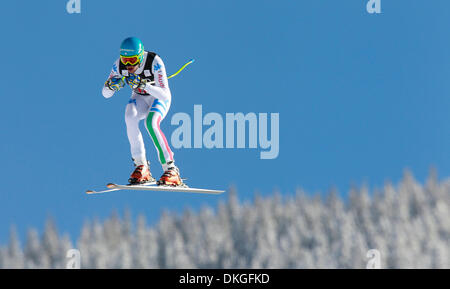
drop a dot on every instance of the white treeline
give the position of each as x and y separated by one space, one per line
409 224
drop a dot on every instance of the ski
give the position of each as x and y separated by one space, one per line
90 192
184 188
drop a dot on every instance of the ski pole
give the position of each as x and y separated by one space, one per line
179 70
182 67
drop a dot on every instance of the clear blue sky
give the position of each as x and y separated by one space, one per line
360 98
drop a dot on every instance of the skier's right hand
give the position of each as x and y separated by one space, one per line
135 81
115 83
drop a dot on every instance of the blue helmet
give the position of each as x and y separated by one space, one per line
132 46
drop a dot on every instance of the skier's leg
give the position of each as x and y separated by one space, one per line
157 113
134 113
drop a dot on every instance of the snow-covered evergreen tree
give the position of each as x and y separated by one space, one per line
408 224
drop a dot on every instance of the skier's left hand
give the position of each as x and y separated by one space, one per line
135 81
115 83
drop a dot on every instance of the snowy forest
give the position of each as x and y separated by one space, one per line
408 223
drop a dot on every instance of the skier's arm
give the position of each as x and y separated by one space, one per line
106 91
160 89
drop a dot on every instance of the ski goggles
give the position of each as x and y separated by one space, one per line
130 60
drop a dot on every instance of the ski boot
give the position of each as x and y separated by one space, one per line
171 177
141 175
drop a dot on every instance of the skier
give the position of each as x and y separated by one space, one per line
145 73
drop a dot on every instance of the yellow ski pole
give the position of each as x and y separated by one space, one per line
182 67
179 70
